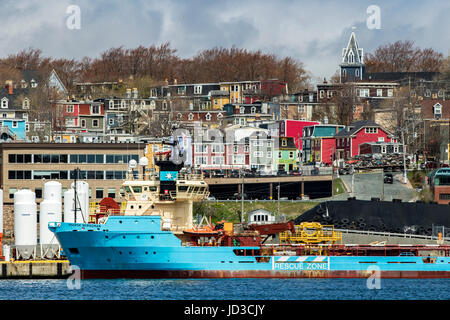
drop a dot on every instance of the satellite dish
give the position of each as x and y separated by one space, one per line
132 164
143 161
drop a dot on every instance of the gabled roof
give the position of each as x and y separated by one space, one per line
358 125
352 48
13 102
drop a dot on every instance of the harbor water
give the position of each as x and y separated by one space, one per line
226 289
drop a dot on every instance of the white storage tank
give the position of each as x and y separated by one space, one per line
83 200
50 211
25 224
69 214
52 191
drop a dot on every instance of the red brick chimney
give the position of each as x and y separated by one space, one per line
9 86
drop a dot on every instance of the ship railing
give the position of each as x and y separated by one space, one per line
141 176
190 176
392 234
190 194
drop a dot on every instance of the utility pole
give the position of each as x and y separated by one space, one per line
353 183
242 198
404 161
278 198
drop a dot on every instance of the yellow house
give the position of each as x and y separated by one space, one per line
219 99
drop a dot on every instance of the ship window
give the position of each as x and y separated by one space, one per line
137 189
182 188
127 189
152 188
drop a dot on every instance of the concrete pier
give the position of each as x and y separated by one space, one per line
35 269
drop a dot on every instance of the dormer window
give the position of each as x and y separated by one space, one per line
197 89
208 116
191 116
351 57
242 110
23 84
4 103
33 83
111 104
344 72
123 104
357 72
253 110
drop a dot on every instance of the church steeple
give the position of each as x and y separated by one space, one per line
352 64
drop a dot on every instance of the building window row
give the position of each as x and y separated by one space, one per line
74 158
65 174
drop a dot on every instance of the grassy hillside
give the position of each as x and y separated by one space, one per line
231 211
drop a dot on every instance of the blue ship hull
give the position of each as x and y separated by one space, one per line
136 247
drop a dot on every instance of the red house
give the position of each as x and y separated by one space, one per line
292 128
348 140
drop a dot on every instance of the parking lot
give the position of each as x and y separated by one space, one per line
371 185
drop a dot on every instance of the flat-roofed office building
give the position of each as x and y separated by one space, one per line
102 165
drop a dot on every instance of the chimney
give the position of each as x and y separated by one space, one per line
128 94
9 86
135 93
175 81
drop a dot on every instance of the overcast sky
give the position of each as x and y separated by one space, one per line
313 32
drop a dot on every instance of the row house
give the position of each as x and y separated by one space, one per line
290 128
14 107
215 96
298 106
119 111
245 114
188 96
364 94
248 92
79 116
285 154
348 141
319 142
435 114
380 148
211 119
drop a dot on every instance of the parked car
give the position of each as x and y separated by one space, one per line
211 198
218 174
235 174
315 171
297 172
206 174
281 173
250 174
388 178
